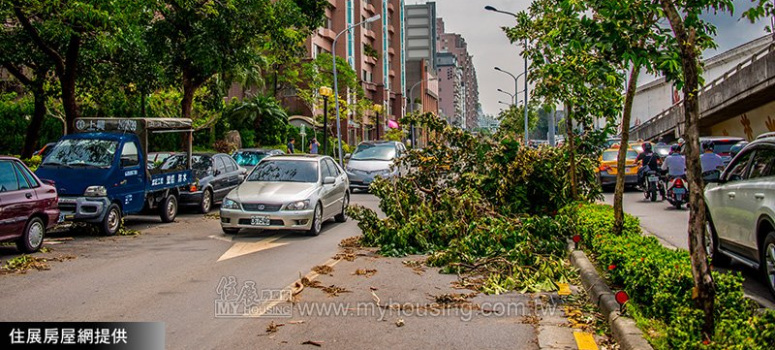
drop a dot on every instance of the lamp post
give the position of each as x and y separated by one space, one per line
512 96
493 9
326 92
507 104
336 87
377 109
517 91
411 105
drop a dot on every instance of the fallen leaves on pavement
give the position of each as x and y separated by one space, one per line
213 216
273 327
334 291
365 272
323 269
22 263
345 256
416 265
400 322
578 319
352 242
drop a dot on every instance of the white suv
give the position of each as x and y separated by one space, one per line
741 206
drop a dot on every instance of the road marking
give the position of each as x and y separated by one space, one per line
585 341
244 248
268 305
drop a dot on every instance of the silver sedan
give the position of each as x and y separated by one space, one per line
288 192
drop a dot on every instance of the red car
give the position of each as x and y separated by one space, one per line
28 206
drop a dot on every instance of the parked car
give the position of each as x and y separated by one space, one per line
214 176
372 159
156 159
741 208
249 157
28 206
607 169
288 192
722 145
45 150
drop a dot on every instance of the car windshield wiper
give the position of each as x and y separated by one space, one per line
56 164
85 165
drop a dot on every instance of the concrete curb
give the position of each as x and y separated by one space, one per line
623 328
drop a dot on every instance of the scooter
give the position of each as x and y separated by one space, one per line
653 185
678 192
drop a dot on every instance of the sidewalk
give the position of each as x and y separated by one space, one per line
379 302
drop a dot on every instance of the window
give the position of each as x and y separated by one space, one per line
327 171
762 164
28 176
334 169
23 183
129 157
8 181
735 171
230 164
220 165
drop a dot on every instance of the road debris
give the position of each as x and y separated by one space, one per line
323 270
349 256
296 322
311 342
213 216
365 272
415 265
352 242
22 263
334 291
273 327
400 322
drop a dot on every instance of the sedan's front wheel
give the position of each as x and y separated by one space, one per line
317 221
342 217
32 238
768 261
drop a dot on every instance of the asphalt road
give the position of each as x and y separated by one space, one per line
671 226
169 273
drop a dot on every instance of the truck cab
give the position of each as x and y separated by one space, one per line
101 172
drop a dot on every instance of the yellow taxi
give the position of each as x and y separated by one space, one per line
608 167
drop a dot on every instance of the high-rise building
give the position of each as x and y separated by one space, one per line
421 62
376 53
465 93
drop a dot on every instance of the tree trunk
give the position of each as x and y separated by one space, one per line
703 280
67 81
189 89
572 151
621 162
33 129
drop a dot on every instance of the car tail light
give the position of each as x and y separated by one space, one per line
605 168
192 188
678 183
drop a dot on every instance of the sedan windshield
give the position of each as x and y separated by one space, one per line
614 155
249 158
83 153
374 152
285 171
201 165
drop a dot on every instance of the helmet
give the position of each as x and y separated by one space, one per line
646 147
707 145
675 149
681 141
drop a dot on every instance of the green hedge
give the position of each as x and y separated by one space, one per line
659 282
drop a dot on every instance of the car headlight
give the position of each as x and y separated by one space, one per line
230 204
95 191
300 205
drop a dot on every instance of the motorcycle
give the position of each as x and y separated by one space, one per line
678 192
653 186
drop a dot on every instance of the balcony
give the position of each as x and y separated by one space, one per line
370 86
392 73
369 9
369 34
333 3
391 51
327 33
391 29
391 8
370 60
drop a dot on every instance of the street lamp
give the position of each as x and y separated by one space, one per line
517 91
504 103
326 92
512 96
493 9
411 105
336 87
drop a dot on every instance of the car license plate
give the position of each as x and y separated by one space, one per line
259 221
653 178
679 191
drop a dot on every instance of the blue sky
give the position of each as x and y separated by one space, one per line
490 48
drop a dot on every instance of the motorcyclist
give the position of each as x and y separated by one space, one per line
648 161
675 163
710 160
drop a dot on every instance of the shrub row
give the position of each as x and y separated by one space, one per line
659 282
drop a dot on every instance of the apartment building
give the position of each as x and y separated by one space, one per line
463 93
375 51
421 62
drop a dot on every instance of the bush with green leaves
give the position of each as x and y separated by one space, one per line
479 206
659 282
